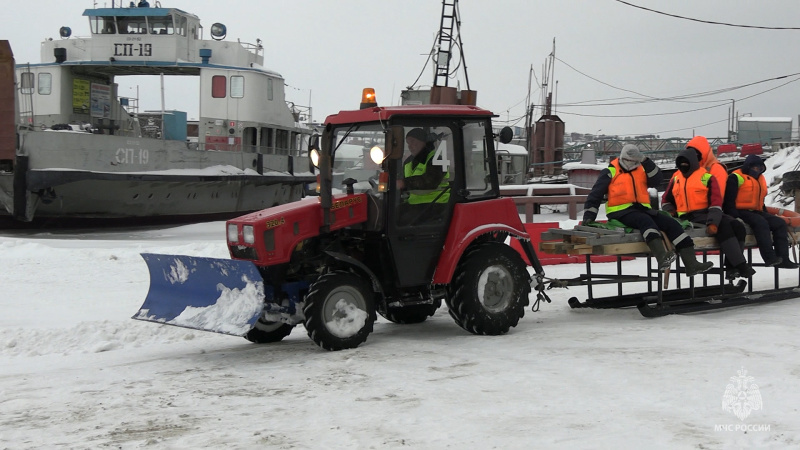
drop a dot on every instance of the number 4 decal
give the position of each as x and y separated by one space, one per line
440 158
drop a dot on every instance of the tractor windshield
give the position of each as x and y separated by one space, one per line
351 156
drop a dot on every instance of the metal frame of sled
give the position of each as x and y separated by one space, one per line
705 292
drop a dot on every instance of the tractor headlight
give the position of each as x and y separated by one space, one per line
315 158
376 154
247 234
233 233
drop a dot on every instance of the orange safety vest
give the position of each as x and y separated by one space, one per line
691 194
751 191
626 188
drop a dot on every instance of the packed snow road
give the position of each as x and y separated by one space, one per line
77 372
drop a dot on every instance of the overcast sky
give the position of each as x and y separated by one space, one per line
607 53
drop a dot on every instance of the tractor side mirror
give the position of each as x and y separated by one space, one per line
506 134
395 138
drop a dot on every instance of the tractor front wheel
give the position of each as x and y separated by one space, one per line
339 311
490 289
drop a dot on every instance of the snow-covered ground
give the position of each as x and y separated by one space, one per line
77 372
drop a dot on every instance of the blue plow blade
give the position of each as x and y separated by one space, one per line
220 295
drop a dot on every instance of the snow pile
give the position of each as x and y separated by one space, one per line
780 162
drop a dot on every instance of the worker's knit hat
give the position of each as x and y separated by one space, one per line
630 157
419 134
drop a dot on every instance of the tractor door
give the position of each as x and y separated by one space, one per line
419 213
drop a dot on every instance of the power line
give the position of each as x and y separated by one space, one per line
677 98
687 111
707 21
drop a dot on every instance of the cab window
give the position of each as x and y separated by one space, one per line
477 162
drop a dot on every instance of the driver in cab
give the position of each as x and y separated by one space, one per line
425 181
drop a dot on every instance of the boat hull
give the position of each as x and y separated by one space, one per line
79 175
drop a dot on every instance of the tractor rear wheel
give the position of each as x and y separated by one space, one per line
339 311
490 289
411 314
266 332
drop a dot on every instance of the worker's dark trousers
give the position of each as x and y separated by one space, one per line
730 235
770 232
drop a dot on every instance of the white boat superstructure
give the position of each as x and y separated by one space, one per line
82 150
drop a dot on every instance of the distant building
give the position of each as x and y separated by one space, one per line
764 130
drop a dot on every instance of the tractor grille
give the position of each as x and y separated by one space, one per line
241 252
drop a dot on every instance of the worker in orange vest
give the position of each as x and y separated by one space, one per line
693 194
624 183
709 161
744 199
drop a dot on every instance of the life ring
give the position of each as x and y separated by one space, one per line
792 218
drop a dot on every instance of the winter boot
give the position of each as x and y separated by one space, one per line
774 261
786 263
745 270
663 257
693 266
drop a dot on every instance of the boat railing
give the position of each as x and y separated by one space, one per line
256 48
264 150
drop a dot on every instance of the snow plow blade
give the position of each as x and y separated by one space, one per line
220 295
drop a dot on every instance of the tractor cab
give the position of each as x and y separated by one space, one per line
414 165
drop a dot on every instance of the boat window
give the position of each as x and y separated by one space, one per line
266 140
161 25
180 25
218 86
282 141
269 89
133 25
27 83
45 83
237 86
103 25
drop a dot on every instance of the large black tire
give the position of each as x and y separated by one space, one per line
266 332
490 289
412 314
339 311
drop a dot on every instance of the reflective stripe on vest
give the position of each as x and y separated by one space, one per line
692 194
751 191
626 188
417 196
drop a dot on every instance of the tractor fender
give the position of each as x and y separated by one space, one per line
470 221
341 257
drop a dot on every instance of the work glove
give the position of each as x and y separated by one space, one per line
711 229
670 209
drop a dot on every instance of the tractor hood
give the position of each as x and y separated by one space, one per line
269 236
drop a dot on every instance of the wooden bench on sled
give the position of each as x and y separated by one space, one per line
713 292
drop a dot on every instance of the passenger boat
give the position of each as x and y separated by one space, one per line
72 147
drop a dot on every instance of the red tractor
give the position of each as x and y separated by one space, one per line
370 244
